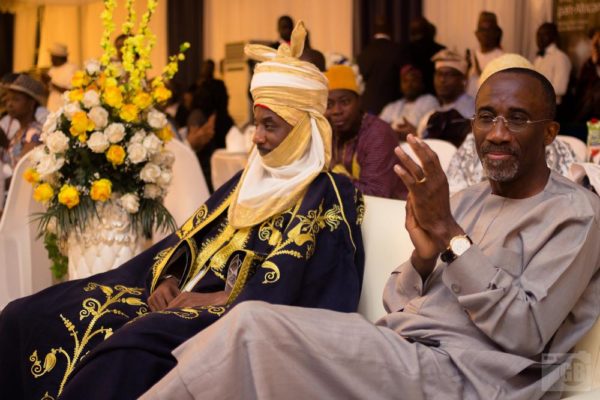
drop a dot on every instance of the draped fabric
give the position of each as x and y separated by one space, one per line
95 339
7 37
185 23
399 14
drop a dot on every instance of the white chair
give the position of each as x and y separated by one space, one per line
444 150
387 245
24 263
577 145
590 345
224 164
188 189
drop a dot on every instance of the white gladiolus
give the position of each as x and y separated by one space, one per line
98 142
156 119
91 98
99 116
92 67
152 143
49 164
150 173
115 132
136 153
70 109
57 142
130 203
152 191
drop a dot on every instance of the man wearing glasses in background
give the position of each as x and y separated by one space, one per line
465 168
502 283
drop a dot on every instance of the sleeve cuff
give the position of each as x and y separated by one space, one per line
472 273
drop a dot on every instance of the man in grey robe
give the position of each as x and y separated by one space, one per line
503 282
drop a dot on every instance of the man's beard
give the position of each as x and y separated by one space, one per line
500 170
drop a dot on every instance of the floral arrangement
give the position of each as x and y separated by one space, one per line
107 142
593 140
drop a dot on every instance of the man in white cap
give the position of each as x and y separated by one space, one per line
465 168
502 283
449 81
283 231
60 75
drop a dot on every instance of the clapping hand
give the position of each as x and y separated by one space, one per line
429 220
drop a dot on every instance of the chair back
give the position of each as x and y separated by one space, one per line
579 148
24 262
444 150
590 347
224 165
188 189
387 245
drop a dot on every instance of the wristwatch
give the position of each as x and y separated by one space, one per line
458 245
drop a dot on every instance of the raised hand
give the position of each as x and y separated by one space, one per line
429 193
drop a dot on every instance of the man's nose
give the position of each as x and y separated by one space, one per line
259 136
499 132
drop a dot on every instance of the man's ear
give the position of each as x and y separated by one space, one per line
550 132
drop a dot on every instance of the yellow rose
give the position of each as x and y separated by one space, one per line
101 80
43 193
129 112
68 195
76 95
80 123
31 175
143 100
101 190
115 154
161 94
79 79
83 137
165 134
112 96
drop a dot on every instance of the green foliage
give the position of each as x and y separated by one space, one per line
59 261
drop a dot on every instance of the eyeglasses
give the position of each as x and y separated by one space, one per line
486 123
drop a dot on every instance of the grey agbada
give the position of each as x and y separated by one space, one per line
528 286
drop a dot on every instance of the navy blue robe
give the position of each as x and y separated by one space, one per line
95 337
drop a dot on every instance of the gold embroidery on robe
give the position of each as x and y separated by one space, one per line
95 310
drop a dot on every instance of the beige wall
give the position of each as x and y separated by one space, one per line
80 28
329 23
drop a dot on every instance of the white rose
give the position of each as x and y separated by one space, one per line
136 153
156 119
98 142
57 142
130 203
165 158
49 164
52 226
115 132
164 179
152 143
138 137
91 98
51 121
71 109
150 173
92 67
37 154
99 116
152 191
